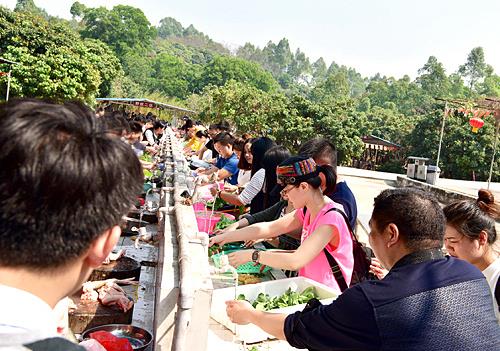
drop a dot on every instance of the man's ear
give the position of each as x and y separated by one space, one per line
393 234
101 247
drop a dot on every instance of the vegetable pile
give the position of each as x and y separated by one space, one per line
264 302
224 222
217 204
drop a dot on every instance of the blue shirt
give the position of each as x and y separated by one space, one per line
344 196
231 165
431 304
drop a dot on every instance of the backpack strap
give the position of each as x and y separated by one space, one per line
334 266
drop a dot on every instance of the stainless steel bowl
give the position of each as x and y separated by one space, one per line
139 338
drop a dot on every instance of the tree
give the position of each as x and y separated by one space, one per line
29 6
173 76
433 80
55 62
170 27
475 69
319 70
124 28
222 69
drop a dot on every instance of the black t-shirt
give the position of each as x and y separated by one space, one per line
210 146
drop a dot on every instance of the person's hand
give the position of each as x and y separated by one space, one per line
238 258
239 311
217 239
213 191
230 188
201 170
377 268
229 228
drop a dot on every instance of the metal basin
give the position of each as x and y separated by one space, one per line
139 338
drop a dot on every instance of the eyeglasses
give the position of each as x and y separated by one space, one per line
286 190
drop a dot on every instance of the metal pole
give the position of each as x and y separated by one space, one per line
442 132
8 85
495 143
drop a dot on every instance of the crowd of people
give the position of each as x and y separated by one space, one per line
69 175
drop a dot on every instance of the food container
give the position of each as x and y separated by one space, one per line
138 337
206 220
250 333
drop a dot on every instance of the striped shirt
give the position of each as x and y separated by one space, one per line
253 187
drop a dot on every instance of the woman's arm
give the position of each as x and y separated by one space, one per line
259 230
267 215
305 253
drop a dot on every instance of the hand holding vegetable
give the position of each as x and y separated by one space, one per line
239 311
217 240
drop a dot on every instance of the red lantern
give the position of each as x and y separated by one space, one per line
476 123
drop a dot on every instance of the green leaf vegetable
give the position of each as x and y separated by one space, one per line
264 302
217 204
224 222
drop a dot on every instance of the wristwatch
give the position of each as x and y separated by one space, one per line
255 256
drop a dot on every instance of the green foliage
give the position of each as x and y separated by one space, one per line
123 28
30 7
463 152
54 61
222 69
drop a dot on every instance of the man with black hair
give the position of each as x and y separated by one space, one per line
324 153
64 187
426 302
227 162
153 135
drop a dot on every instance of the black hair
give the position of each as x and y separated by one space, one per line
114 123
272 158
188 124
259 148
242 162
214 126
201 134
417 214
319 148
158 125
135 127
470 217
224 138
224 126
314 180
63 182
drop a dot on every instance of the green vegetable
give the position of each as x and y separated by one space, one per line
264 302
224 222
147 173
146 157
218 204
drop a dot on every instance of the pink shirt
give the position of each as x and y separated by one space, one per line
319 268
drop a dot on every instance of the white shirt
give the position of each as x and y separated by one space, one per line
244 177
24 317
253 187
492 273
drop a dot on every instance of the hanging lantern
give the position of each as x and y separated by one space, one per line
476 123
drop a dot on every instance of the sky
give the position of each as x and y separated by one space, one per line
390 37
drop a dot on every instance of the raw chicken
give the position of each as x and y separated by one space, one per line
111 296
109 293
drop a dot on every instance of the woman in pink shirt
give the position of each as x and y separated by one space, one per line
322 228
